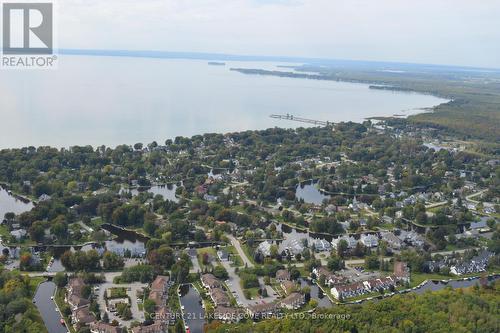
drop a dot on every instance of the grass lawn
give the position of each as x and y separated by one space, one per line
248 253
4 232
61 304
118 292
211 251
34 282
254 292
386 226
235 259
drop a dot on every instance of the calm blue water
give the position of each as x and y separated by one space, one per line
10 204
47 307
310 193
115 100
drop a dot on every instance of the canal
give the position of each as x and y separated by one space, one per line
193 312
438 285
125 240
47 307
316 293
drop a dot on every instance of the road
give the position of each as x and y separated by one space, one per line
469 197
240 251
194 259
234 280
436 204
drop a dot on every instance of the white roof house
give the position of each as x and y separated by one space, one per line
369 240
351 242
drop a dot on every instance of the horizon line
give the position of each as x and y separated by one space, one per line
241 57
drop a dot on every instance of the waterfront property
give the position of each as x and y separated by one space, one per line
293 301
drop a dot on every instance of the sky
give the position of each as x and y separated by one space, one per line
450 32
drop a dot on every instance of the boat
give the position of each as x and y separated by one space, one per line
62 322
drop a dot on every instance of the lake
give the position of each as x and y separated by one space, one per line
167 191
9 203
116 100
310 193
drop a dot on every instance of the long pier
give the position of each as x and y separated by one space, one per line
302 120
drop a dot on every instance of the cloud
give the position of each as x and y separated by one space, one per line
438 31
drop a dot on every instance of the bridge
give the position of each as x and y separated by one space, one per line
302 120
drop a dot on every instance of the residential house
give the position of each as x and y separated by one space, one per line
380 284
159 290
219 297
223 255
330 278
164 314
350 290
209 281
401 271
475 265
322 245
44 197
288 286
76 301
82 316
113 303
391 239
369 240
282 275
74 294
351 241
156 327
75 286
18 234
262 310
265 248
293 301
100 327
228 314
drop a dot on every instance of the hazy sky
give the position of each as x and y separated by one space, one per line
457 32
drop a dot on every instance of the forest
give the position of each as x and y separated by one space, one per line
471 310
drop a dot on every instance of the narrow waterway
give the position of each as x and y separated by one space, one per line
438 285
125 240
47 307
193 312
316 293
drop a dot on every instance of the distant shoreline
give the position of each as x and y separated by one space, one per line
290 59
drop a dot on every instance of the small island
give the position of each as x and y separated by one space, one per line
215 63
